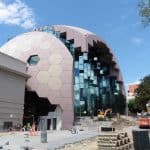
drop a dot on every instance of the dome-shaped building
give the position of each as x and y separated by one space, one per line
73 73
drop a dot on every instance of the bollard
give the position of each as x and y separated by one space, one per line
43 128
43 137
141 139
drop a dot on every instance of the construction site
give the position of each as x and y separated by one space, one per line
99 133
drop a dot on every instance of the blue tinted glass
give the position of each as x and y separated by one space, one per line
85 56
81 78
81 85
33 60
76 64
98 65
77 95
80 59
67 42
76 72
76 87
76 79
85 67
71 47
81 66
95 58
95 81
117 86
101 72
92 75
104 83
92 90
57 34
96 91
88 66
85 75
89 73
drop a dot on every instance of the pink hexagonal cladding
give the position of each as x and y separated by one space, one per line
67 54
67 77
53 95
43 65
55 71
66 90
66 67
33 71
42 90
55 58
43 54
33 51
32 83
67 62
42 77
64 102
24 56
67 115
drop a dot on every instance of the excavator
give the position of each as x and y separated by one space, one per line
102 115
144 119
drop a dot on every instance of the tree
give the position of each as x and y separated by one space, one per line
142 96
144 11
132 106
143 93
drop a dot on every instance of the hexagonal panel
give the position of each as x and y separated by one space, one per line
45 44
43 76
42 90
55 59
66 90
32 84
43 65
54 83
33 60
55 70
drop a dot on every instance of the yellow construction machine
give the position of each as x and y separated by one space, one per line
102 115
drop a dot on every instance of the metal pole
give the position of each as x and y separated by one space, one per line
43 127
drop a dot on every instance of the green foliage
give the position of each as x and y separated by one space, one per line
144 11
142 96
133 107
143 93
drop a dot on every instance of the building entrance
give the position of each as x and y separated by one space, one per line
34 107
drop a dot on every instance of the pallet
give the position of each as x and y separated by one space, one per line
114 141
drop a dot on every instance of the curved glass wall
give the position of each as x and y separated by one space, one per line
94 88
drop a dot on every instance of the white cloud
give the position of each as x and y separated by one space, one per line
137 41
136 82
16 13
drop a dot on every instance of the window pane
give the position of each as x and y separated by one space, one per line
33 60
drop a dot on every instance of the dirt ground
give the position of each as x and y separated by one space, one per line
121 125
84 145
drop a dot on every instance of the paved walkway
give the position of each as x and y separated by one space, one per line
55 139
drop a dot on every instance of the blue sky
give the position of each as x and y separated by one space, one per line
115 21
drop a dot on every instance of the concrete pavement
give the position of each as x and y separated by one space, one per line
55 139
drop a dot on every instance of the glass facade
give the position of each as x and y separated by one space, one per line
94 87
